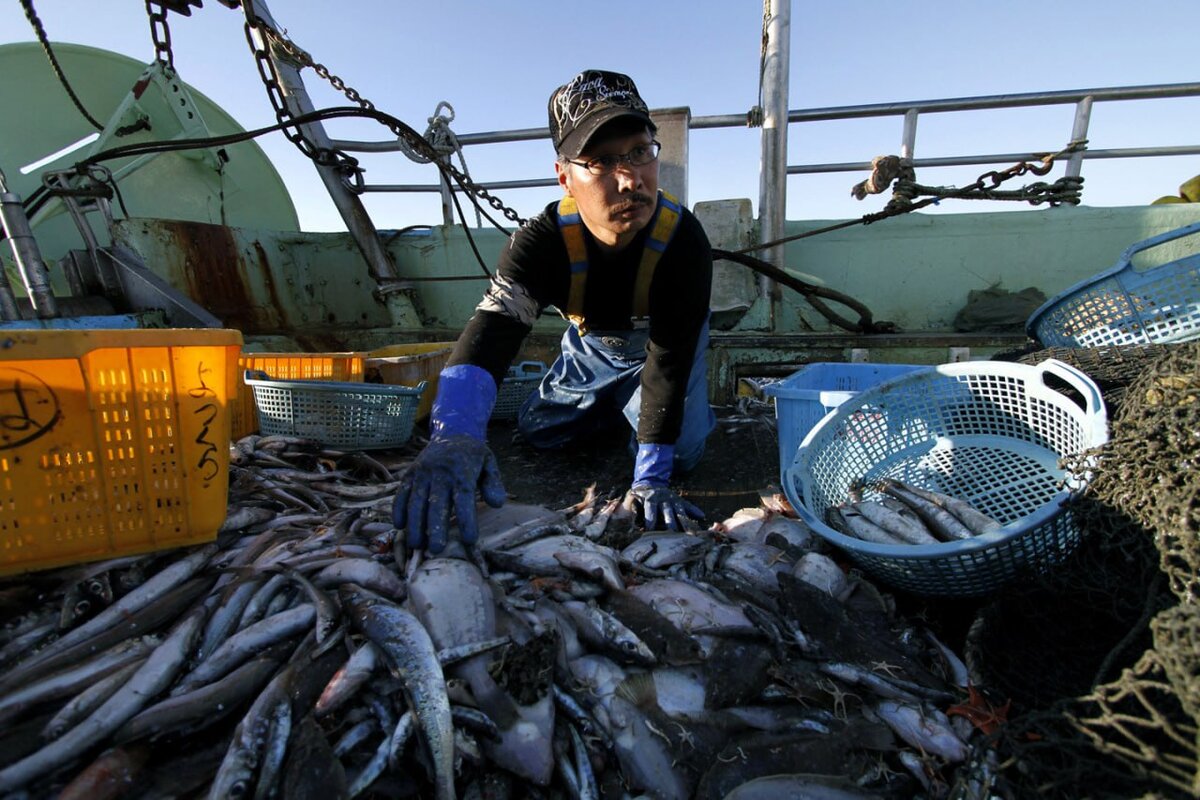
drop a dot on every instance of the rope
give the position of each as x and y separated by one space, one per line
32 16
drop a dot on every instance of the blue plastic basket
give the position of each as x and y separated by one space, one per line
807 395
521 380
350 416
1124 305
988 432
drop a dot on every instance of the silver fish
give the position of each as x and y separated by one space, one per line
348 679
941 522
602 629
849 521
412 657
908 529
368 574
923 727
155 674
147 593
245 643
978 522
664 549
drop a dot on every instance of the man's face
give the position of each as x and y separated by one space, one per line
614 207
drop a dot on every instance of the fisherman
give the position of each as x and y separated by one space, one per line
631 269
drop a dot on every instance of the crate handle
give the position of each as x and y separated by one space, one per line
255 375
1094 402
534 367
1161 238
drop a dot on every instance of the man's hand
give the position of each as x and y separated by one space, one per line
445 475
658 508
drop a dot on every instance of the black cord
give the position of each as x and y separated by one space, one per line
144 148
32 16
467 231
812 293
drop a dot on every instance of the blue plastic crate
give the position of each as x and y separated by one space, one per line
1124 305
803 398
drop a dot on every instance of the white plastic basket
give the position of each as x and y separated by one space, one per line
351 416
991 433
1125 305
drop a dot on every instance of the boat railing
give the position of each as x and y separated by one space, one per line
908 112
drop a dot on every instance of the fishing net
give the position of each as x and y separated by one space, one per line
1102 659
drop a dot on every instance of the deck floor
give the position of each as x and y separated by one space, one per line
741 461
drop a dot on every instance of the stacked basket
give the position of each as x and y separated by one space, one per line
349 416
1126 304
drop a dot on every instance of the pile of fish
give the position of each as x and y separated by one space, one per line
906 514
307 654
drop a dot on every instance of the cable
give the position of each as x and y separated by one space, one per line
812 292
32 16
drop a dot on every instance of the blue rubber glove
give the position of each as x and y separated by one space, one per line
655 506
456 461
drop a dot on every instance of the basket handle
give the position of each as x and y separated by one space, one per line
1161 238
1093 401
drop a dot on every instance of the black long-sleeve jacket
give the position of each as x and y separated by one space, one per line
533 273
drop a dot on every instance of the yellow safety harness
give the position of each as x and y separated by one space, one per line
662 228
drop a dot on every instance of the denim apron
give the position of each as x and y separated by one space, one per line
596 378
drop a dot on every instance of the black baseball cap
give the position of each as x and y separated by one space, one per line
589 101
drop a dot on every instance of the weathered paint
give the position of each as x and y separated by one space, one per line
312 292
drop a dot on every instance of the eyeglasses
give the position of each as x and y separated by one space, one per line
639 156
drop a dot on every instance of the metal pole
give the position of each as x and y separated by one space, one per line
29 261
1083 116
908 139
772 195
358 222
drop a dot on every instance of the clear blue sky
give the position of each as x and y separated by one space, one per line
496 63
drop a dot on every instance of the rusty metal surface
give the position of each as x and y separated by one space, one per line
263 281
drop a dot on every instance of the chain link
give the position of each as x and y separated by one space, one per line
347 165
160 34
1065 190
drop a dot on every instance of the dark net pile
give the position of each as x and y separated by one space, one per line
1101 659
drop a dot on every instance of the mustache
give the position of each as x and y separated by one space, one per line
634 200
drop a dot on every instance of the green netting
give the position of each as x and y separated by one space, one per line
1102 659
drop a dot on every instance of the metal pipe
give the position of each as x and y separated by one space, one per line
1079 131
1154 91
772 192
908 139
1000 158
1157 91
28 259
434 187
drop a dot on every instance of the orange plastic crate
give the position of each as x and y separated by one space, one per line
344 367
408 365
112 442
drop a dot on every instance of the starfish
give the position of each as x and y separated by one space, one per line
983 714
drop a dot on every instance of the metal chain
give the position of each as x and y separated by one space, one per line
1065 190
160 34
408 139
32 16
1060 192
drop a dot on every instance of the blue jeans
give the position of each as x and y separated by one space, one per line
596 378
